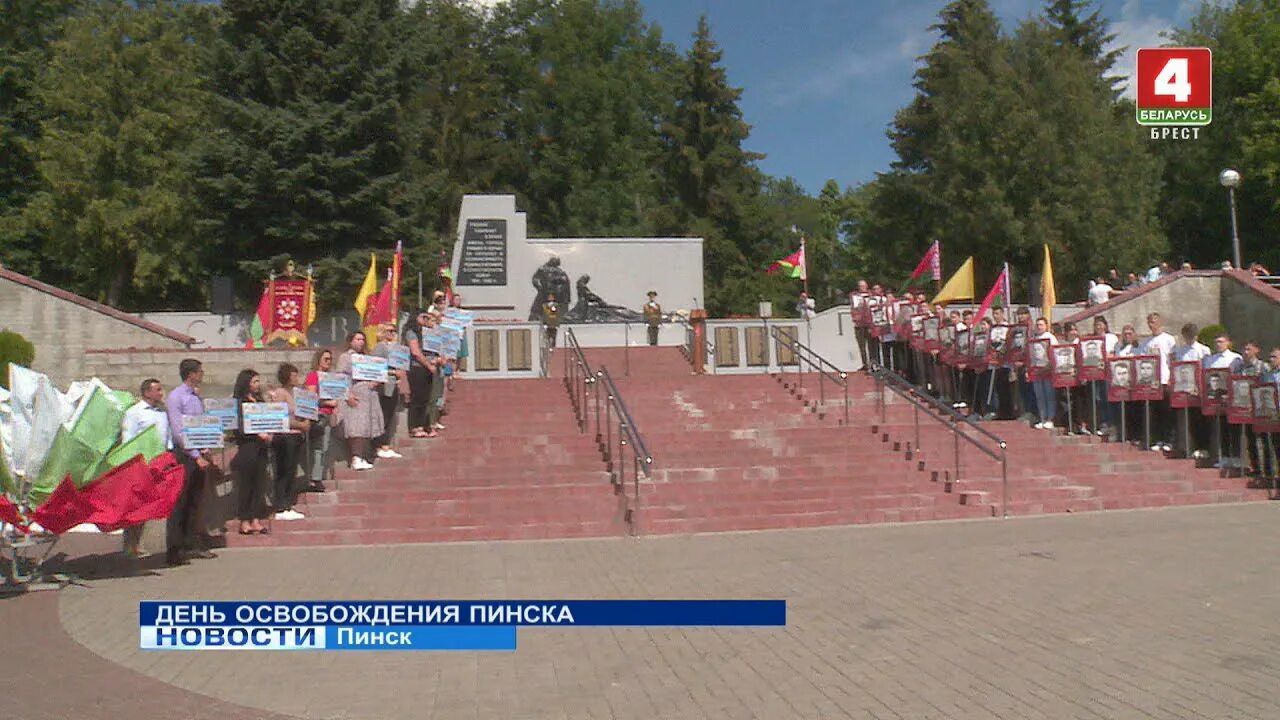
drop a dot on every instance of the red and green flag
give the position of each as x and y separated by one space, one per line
792 265
931 262
261 319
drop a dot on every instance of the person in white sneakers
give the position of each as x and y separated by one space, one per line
1043 389
1161 345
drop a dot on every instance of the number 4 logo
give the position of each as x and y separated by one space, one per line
1172 80
1174 86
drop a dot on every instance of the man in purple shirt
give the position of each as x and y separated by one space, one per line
181 528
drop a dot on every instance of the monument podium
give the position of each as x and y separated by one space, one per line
505 275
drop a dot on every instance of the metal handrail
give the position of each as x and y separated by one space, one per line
940 412
585 386
616 413
577 376
808 355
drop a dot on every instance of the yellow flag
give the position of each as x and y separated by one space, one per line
369 288
1047 290
960 286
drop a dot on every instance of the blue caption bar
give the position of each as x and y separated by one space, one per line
431 637
614 613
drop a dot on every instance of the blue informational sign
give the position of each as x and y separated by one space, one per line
399 359
226 410
368 368
202 432
265 417
306 404
333 386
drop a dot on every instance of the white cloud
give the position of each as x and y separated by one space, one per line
907 38
1136 29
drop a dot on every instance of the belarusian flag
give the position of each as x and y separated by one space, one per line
932 261
792 265
999 291
261 320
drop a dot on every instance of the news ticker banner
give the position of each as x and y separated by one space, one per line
474 625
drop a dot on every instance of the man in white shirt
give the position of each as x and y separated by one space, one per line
1161 345
147 412
1100 292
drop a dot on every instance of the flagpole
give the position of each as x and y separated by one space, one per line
805 254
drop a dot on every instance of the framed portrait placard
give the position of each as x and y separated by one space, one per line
978 352
1266 407
1093 358
1065 366
1215 385
859 309
947 337
960 357
1184 386
917 331
879 314
903 310
1146 378
932 333
998 345
1039 363
1119 379
1016 350
1240 399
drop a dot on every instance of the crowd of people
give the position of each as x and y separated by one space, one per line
1169 392
1107 287
270 471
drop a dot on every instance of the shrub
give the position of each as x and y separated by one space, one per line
14 349
1208 333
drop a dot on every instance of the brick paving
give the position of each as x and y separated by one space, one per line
1146 614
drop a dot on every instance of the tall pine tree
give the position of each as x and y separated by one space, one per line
307 155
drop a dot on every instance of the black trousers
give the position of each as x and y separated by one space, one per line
180 528
419 396
389 404
653 334
250 474
288 451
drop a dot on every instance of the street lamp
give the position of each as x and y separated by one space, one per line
1230 179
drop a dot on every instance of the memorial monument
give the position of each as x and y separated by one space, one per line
506 275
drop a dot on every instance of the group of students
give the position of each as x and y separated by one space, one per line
1006 371
270 471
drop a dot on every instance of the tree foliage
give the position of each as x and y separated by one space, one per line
149 144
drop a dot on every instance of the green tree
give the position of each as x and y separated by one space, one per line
1073 25
124 102
306 157
715 184
1245 40
451 121
27 27
587 83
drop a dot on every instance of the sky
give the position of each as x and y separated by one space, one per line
822 79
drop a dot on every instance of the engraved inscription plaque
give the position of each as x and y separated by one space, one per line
484 253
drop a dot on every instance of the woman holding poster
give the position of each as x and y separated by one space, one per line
360 413
249 471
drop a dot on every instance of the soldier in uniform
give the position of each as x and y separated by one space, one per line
653 316
551 318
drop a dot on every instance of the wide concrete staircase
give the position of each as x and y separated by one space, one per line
1047 471
510 465
731 452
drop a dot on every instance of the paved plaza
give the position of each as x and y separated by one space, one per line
1145 614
